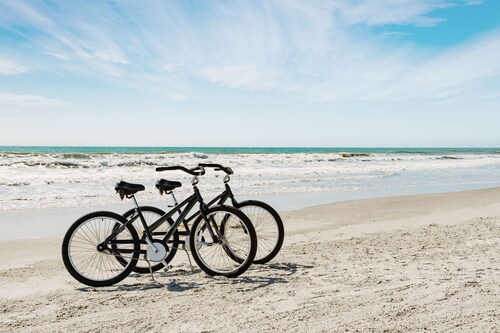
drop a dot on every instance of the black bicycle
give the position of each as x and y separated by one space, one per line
266 221
102 248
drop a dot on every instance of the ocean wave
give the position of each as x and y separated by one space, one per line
77 156
57 165
69 165
136 163
80 165
7 153
449 158
50 165
263 173
200 156
412 152
15 184
347 155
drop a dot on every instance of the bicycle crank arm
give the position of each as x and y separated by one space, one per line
150 243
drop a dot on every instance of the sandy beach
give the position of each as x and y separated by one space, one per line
425 263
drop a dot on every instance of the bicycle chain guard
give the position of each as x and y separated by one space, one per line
160 254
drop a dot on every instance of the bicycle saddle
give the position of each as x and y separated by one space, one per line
124 188
167 185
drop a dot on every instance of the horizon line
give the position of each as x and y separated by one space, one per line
263 147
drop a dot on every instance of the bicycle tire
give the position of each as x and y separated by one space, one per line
238 228
151 215
81 257
268 227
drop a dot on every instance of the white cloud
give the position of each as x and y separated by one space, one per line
170 67
111 56
66 35
248 77
461 72
400 12
8 99
8 67
27 13
306 49
58 55
474 2
391 11
175 96
467 71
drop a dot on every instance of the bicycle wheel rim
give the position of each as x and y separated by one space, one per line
96 265
235 243
266 228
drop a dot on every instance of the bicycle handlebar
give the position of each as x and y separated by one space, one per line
197 171
217 167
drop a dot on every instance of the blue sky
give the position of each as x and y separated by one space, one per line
250 73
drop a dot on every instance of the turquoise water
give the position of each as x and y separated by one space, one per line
239 150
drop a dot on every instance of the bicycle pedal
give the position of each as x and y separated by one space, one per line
167 268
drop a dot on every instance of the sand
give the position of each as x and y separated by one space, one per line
427 263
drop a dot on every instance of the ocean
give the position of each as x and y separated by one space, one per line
46 177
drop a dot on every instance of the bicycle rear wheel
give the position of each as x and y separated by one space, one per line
233 234
151 215
268 226
92 263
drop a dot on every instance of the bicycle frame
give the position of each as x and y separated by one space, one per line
220 199
183 212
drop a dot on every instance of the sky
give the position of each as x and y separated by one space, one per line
271 73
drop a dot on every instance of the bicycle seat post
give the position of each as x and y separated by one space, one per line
135 202
173 197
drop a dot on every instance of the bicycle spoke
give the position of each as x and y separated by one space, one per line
227 254
85 257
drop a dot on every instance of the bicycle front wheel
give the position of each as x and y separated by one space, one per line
268 226
224 243
89 260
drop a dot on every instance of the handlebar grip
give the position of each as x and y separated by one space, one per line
198 171
217 167
227 170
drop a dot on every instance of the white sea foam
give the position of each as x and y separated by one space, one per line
55 180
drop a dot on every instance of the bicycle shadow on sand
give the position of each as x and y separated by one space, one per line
258 276
173 286
144 282
287 268
280 275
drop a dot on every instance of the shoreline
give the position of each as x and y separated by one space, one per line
25 224
404 263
